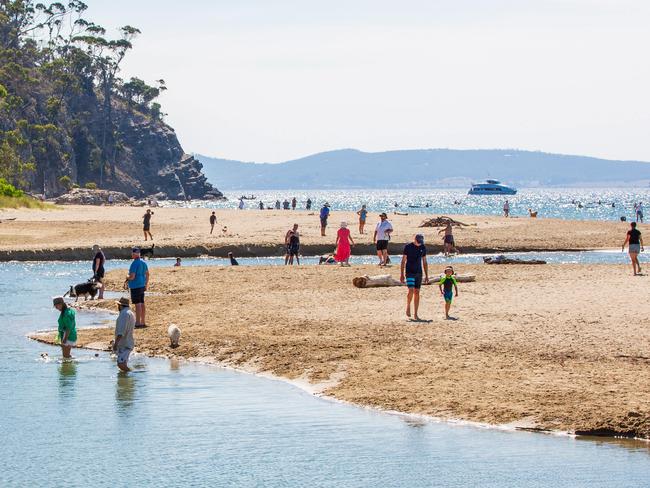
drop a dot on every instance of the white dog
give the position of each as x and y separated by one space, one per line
174 334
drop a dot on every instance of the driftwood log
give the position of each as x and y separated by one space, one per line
442 221
505 260
387 280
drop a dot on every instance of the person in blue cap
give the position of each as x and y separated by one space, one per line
414 262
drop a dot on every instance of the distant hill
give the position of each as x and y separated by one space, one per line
424 168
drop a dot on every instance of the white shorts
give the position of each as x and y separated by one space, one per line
69 343
123 355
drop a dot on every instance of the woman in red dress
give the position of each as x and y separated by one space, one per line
343 245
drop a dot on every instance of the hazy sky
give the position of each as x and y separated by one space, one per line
270 80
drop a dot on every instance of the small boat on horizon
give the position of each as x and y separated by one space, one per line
491 187
248 197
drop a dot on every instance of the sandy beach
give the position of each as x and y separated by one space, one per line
67 233
561 347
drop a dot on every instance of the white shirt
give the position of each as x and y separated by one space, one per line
381 229
124 327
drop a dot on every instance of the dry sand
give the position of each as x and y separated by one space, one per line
558 346
68 233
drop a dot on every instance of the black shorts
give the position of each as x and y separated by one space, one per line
449 240
137 295
382 245
293 250
100 274
323 222
414 280
146 228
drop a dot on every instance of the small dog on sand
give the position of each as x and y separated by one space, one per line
174 334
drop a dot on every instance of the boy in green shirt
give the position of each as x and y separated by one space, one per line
67 326
446 283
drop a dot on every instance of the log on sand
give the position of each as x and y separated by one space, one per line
442 221
387 280
505 260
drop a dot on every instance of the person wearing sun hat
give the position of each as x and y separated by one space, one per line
67 330
344 244
324 215
381 238
123 342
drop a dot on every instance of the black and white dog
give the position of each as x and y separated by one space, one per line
89 288
147 251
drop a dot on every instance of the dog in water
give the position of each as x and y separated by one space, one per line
89 288
147 251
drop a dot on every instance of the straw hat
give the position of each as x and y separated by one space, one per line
123 302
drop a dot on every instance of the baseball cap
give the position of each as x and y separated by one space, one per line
135 250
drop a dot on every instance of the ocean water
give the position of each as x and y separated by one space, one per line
82 423
568 203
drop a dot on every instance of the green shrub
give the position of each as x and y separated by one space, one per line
9 190
66 182
91 185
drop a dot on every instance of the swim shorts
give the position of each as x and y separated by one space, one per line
414 281
323 222
69 343
137 295
146 228
293 250
123 354
382 245
635 248
449 296
449 240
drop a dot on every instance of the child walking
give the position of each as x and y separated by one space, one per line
447 286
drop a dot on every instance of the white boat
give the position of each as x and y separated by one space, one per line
491 187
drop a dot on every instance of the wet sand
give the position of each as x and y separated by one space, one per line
68 233
560 347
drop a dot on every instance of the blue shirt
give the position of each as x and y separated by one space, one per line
414 255
324 212
140 268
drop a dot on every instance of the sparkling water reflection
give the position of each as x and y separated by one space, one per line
82 423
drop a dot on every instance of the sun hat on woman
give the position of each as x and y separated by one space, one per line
344 224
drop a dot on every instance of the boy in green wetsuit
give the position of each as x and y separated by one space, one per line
447 286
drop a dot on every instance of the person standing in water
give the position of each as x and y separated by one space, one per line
448 241
308 204
344 243
292 243
294 202
506 209
241 204
362 213
261 205
213 221
447 285
67 330
634 242
98 268
414 261
383 230
146 224
123 342
639 212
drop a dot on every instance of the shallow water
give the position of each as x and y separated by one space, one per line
171 424
556 202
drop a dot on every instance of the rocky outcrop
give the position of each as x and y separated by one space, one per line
84 196
185 181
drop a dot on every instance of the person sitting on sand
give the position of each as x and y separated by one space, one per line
414 261
292 244
177 264
448 241
344 243
213 221
635 245
362 213
146 224
123 342
327 259
446 283
233 261
67 331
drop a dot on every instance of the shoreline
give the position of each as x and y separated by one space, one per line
318 389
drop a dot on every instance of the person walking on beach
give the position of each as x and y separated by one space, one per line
639 212
123 342
448 241
67 330
294 202
146 224
506 209
447 285
98 268
213 221
634 242
292 243
362 213
414 261
138 282
383 230
344 243
308 204
324 215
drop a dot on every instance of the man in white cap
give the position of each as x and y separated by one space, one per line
123 342
381 238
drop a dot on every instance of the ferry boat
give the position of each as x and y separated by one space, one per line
491 187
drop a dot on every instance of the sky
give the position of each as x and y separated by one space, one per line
273 80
